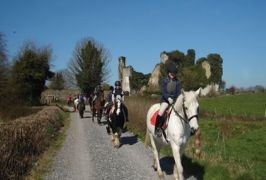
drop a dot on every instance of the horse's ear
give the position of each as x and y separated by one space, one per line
198 91
182 92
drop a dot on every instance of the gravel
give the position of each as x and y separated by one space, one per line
88 154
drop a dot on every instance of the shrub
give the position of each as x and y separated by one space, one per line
22 140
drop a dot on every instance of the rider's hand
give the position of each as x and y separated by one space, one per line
170 100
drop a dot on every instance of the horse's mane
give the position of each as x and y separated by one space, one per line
179 102
118 98
187 96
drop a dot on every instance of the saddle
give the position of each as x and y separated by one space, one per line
165 118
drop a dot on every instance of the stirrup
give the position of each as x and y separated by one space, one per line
158 132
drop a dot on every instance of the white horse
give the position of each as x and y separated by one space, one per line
181 123
76 102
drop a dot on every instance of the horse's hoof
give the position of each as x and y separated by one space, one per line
161 175
154 167
116 145
113 143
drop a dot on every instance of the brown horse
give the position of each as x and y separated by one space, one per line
97 106
81 108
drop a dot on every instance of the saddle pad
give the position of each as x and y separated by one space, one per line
154 116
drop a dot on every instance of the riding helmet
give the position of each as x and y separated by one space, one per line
117 83
171 67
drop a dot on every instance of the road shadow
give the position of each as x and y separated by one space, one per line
129 140
190 168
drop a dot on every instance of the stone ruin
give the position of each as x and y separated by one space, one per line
125 73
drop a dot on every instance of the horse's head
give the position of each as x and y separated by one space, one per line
101 97
118 102
190 108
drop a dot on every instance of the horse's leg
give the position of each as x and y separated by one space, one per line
93 114
116 140
178 169
156 153
99 116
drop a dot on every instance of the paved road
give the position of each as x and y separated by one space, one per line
87 154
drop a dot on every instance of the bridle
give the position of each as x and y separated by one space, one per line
185 118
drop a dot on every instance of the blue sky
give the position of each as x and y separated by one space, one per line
141 29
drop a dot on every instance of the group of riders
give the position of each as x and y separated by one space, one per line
170 88
110 98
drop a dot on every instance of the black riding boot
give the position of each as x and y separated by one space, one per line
158 124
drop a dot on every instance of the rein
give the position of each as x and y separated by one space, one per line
185 119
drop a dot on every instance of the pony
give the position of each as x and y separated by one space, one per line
80 106
118 117
181 123
97 106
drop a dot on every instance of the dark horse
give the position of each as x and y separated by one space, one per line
116 121
81 108
97 106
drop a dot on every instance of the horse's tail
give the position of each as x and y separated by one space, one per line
147 141
197 143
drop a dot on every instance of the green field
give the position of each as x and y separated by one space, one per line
243 105
231 148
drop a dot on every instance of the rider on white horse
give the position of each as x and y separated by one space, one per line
171 89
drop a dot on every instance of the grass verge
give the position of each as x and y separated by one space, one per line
42 166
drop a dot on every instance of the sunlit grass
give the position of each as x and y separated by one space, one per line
246 105
241 154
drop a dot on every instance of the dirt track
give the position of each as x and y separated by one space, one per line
87 154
